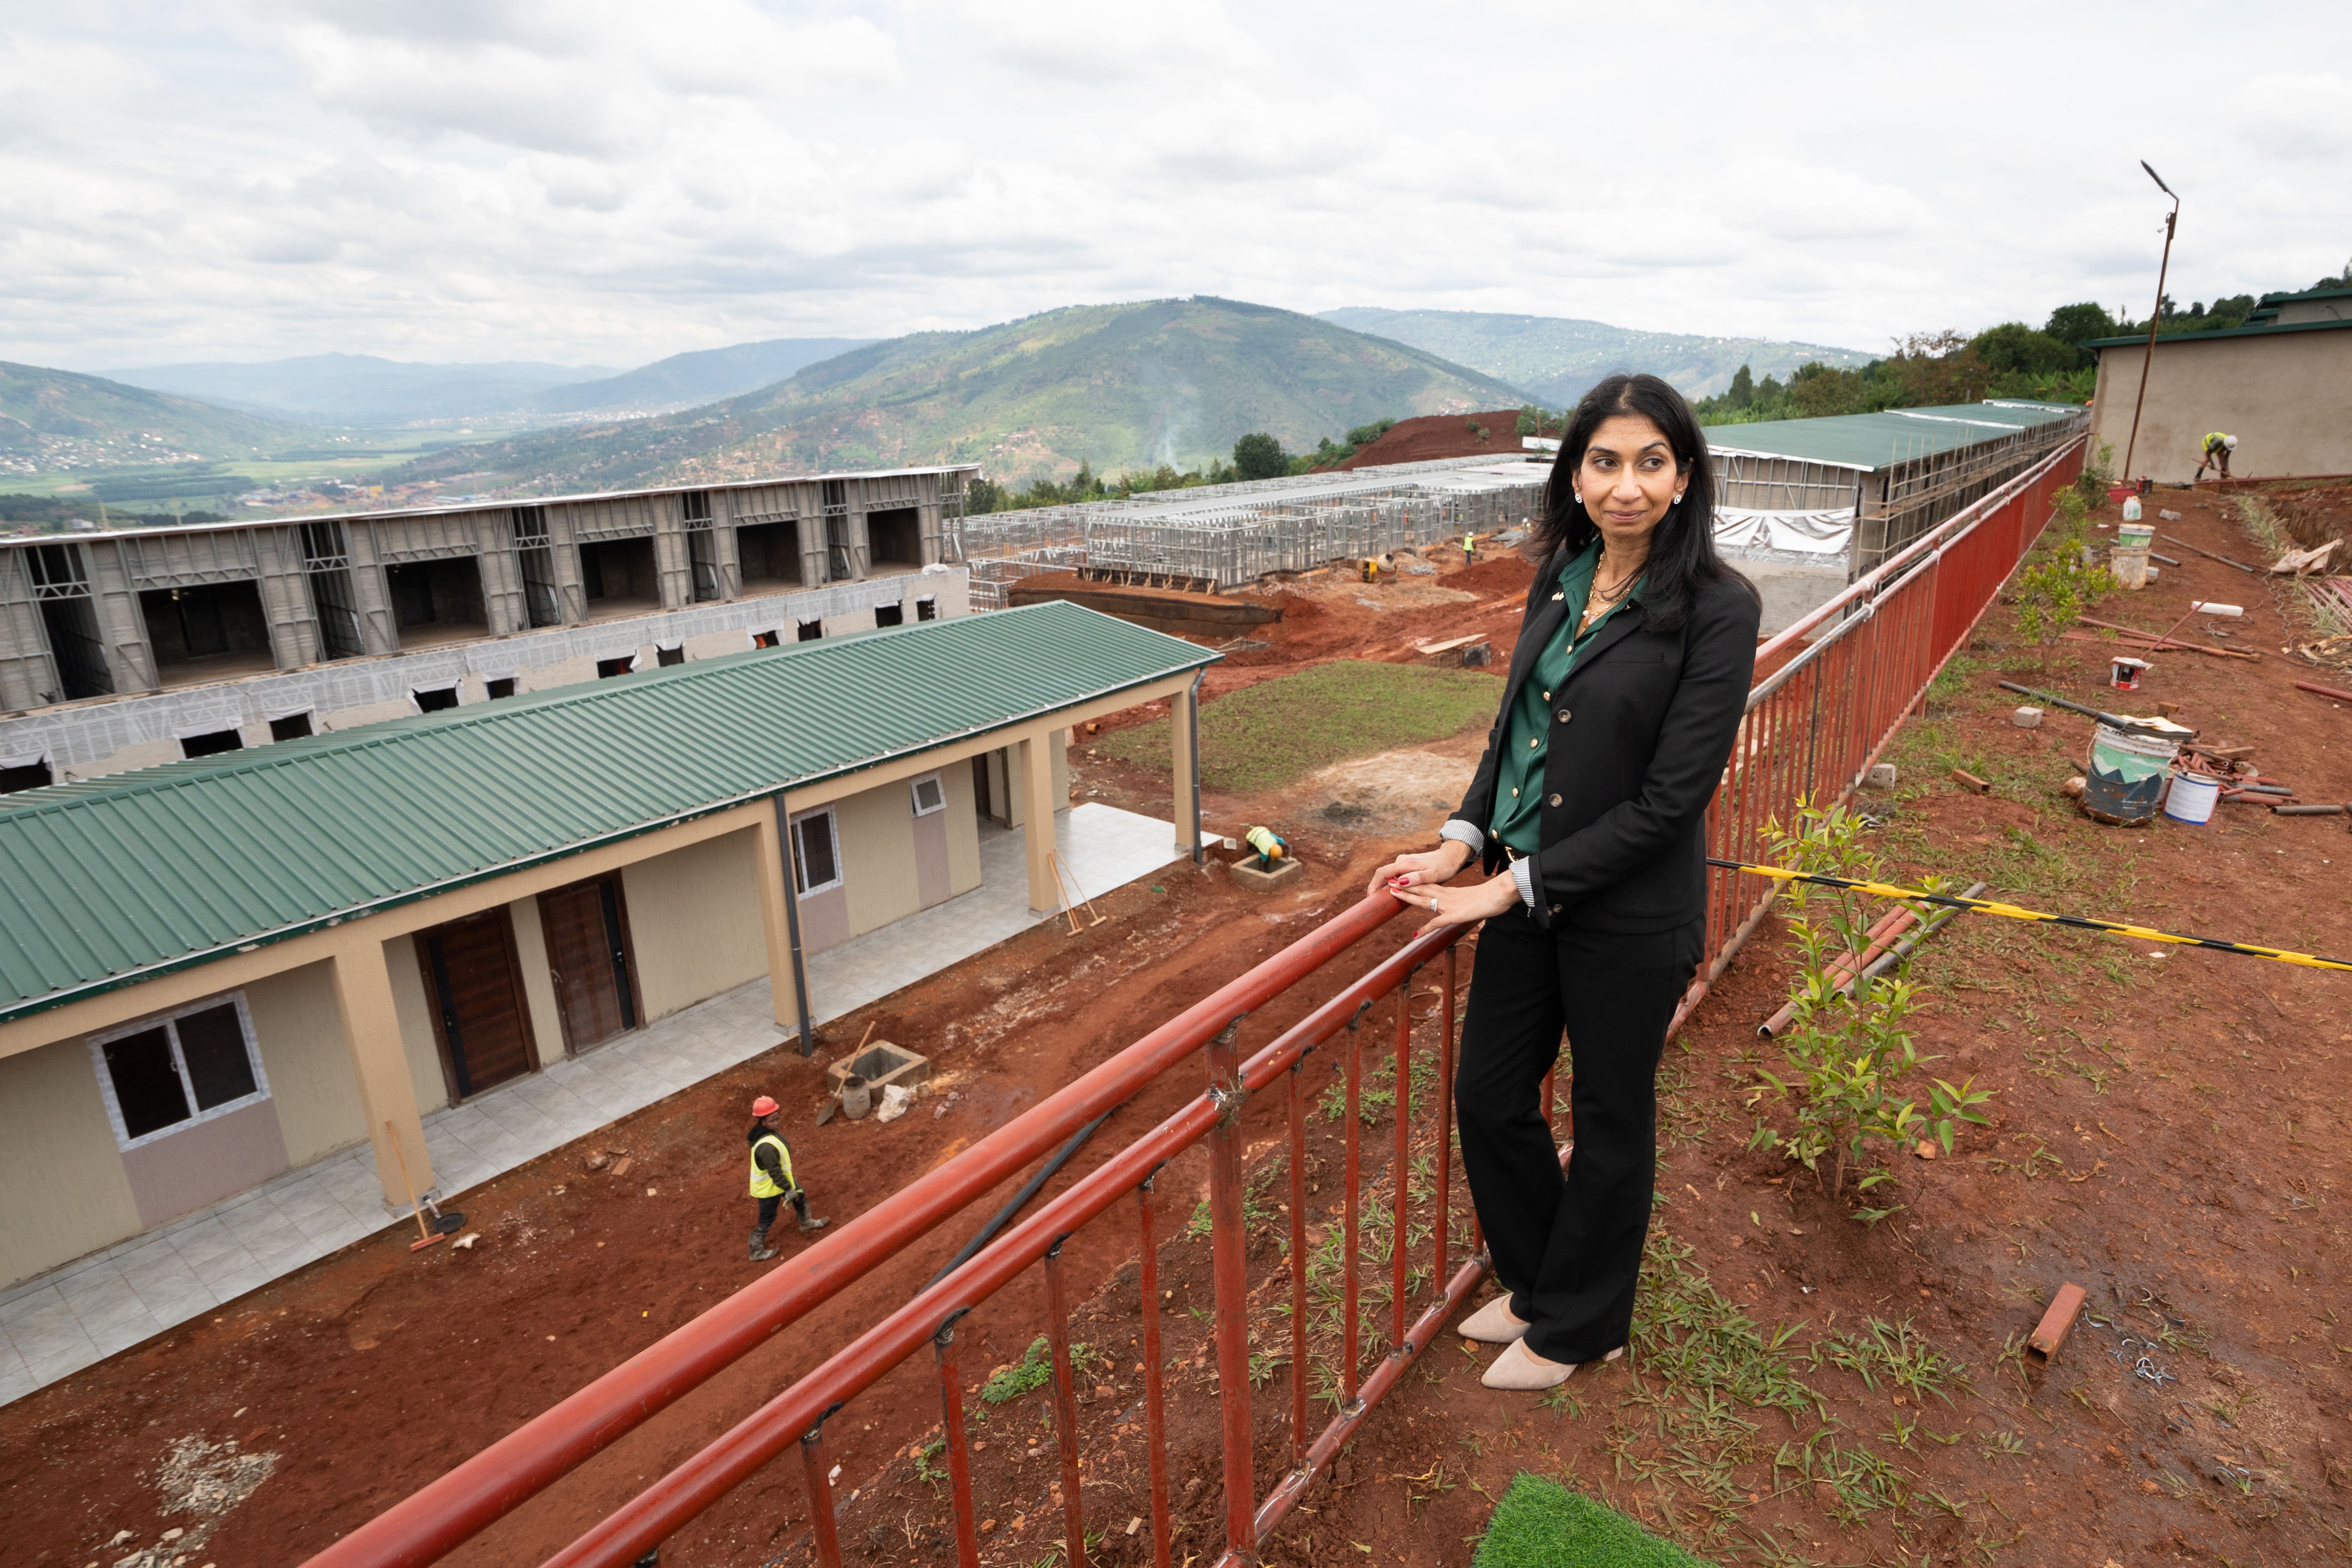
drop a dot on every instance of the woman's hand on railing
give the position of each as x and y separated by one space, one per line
1462 905
1442 864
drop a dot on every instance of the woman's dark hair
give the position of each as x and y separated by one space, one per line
1683 556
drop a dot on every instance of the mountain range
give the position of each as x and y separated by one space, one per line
56 419
1555 358
365 392
1119 387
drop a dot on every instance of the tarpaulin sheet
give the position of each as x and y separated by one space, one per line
1808 533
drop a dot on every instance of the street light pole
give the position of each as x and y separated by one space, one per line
2155 318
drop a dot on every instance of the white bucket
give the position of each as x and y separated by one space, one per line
2192 797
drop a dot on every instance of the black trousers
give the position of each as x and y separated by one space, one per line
1567 1247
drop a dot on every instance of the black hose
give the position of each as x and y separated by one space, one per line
1005 1216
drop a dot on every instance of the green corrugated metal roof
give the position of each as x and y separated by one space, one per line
2258 329
138 873
1873 441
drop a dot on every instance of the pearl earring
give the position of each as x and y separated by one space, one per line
1678 501
1579 498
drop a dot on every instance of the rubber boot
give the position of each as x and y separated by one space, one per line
761 1250
809 1227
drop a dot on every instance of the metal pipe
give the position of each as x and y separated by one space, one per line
793 929
2155 317
434 1519
958 1443
1155 1394
1018 1200
1066 1409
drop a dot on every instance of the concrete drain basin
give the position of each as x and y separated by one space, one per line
881 1065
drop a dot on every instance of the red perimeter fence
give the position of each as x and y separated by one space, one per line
1852 670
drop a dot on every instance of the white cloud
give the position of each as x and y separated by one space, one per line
595 181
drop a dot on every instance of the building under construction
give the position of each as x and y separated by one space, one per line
124 647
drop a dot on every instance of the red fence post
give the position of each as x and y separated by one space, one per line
1296 1095
1155 1396
1400 1172
1066 1406
959 1458
1230 1255
1444 1116
820 1487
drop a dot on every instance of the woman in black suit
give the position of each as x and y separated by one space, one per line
1587 812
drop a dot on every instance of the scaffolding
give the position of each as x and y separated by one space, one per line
1223 536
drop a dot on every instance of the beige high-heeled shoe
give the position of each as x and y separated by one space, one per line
1520 1370
1494 1323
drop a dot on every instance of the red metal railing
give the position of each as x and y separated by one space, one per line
1855 668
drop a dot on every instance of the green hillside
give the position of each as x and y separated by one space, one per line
54 420
1118 386
1555 358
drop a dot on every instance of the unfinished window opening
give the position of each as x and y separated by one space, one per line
186 1066
770 638
26 773
530 525
498 685
926 609
670 652
695 506
70 621
896 536
702 560
930 794
211 743
890 615
769 555
206 631
817 852
812 630
292 727
621 664
540 601
619 579
434 698
437 601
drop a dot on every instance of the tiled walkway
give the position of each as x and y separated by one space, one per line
54 1326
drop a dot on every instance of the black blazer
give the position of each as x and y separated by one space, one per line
1640 736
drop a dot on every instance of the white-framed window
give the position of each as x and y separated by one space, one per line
931 795
817 852
767 637
169 1072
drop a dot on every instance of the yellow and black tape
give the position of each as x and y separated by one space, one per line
2012 911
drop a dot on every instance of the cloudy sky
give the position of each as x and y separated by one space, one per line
611 180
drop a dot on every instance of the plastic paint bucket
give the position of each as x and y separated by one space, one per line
2135 535
2131 509
2126 779
2192 798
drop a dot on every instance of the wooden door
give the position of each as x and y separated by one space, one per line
587 929
475 986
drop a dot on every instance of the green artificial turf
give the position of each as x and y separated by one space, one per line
1267 735
1543 1524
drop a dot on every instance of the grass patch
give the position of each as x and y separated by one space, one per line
1264 736
1543 1524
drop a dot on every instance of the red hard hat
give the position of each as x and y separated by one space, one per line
763 1106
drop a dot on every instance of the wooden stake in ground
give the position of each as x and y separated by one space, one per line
409 1185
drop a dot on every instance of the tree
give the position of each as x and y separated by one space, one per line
1260 457
1743 388
2015 348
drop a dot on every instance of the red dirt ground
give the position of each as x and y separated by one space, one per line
1433 436
2165 1133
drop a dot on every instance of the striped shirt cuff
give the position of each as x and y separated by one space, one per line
1461 832
1523 874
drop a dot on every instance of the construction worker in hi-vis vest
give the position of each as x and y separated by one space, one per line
2215 454
1268 844
771 1179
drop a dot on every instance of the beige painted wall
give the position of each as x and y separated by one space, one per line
1016 793
963 828
2287 397
693 916
538 981
60 1169
414 1010
300 1033
878 854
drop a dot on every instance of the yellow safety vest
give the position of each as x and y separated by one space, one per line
762 1184
2216 441
1263 842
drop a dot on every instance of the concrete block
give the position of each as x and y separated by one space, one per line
1247 875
